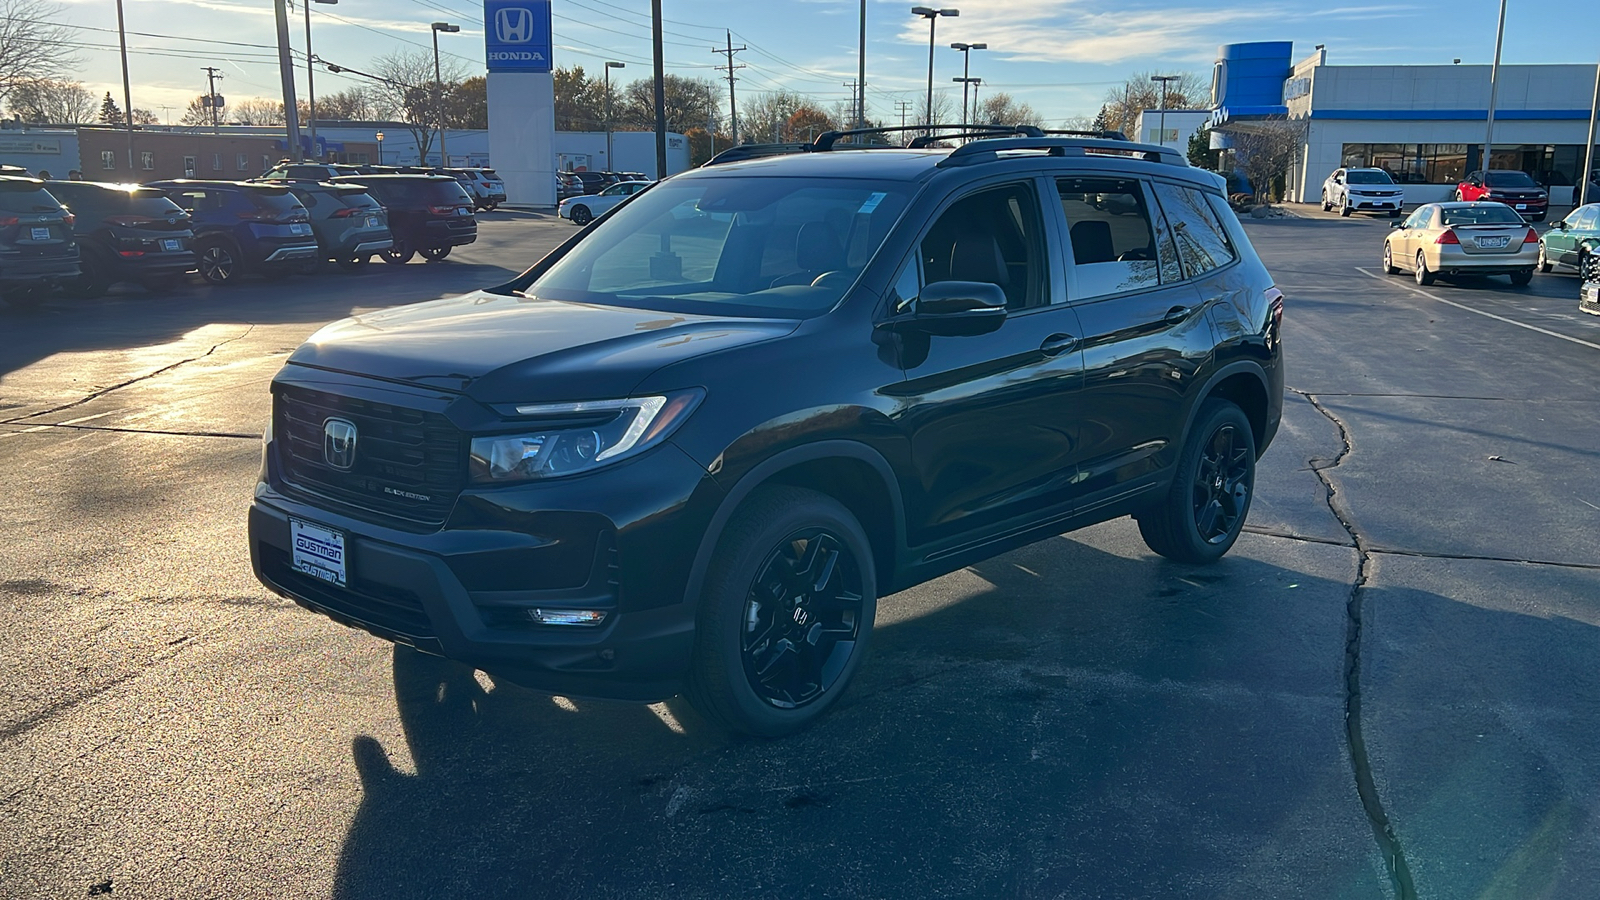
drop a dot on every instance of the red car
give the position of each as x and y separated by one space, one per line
1515 189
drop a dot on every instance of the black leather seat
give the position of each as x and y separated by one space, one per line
817 250
1091 242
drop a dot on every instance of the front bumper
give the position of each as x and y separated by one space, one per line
1589 297
1375 204
620 542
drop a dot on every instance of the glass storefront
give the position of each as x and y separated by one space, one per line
1549 164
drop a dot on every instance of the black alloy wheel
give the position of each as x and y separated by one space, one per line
1204 511
786 612
398 253
217 262
580 215
434 254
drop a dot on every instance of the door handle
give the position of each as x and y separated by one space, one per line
1177 314
1057 344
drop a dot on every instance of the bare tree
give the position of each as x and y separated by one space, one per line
1001 109
1268 151
762 118
143 117
53 102
32 45
199 113
408 92
256 111
353 104
1124 102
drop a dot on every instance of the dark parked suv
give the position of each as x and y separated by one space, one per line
125 233
37 245
428 214
242 227
690 448
349 224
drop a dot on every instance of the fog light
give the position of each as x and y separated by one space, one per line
567 616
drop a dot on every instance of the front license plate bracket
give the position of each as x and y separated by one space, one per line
319 551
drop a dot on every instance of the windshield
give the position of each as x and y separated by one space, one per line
731 246
1369 176
1510 179
1486 214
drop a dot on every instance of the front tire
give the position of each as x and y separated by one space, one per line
1345 210
785 614
93 279
1424 277
1389 268
1326 205
1205 509
580 215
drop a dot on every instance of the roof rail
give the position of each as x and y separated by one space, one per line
1109 134
757 151
987 150
827 139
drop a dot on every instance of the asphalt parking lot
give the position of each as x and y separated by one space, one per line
1385 690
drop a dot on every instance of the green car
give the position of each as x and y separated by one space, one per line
1572 240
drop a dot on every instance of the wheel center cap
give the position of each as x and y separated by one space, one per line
801 617
1218 483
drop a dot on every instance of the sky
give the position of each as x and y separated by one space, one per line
1060 56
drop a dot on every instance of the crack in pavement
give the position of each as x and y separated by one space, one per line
1419 554
1403 396
1394 858
41 426
117 387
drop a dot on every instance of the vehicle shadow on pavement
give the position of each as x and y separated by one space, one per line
1058 721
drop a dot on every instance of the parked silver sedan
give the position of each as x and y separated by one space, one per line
1450 239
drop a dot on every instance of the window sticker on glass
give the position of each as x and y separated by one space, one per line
872 201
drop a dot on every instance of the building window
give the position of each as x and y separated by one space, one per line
216 162
1411 163
147 160
108 159
244 161
266 163
188 167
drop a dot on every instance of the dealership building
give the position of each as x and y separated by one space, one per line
1424 124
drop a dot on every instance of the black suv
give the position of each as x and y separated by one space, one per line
125 233
428 214
690 448
37 246
242 227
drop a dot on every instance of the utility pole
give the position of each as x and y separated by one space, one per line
291 113
1494 90
661 89
904 105
733 111
127 93
861 72
853 96
212 74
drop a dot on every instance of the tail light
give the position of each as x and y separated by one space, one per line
1275 309
443 210
347 212
1449 237
1532 237
9 220
130 254
70 218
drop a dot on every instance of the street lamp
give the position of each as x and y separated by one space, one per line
966 61
932 15
965 84
380 148
609 66
311 88
438 88
1161 129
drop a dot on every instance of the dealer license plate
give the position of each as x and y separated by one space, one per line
300 228
1522 206
372 221
318 550
41 234
1493 243
170 244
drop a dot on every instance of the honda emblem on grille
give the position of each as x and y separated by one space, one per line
339 443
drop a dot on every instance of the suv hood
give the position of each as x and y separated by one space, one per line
507 349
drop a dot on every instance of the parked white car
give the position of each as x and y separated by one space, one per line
582 209
1362 190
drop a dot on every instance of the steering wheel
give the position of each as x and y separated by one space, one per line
1138 253
836 280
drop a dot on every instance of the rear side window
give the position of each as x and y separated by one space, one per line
278 200
357 199
1203 244
26 197
1114 246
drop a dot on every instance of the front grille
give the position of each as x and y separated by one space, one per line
409 464
378 607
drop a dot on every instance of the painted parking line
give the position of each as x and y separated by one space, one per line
1422 293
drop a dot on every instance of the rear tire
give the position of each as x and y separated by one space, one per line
398 254
1544 262
352 263
93 280
1326 206
785 614
1389 268
434 254
1522 277
1424 277
1205 509
218 262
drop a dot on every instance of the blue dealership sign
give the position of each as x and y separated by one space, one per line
517 36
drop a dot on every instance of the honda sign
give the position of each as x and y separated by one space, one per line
517 35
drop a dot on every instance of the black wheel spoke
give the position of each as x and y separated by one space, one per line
802 618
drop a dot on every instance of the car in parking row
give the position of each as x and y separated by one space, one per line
1573 241
581 209
38 248
1362 190
125 232
1514 188
1455 238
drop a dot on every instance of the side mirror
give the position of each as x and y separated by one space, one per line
955 309
1560 226
1399 224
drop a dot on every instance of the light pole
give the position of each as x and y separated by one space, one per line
609 66
1494 90
311 88
1161 129
932 15
127 93
380 148
438 89
966 70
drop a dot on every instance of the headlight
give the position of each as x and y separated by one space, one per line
582 437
